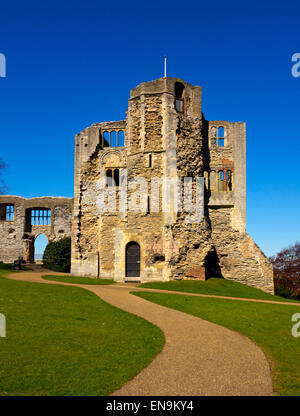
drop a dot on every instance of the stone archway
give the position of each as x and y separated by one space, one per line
40 243
212 265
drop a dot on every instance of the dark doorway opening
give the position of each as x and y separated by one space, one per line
133 259
212 265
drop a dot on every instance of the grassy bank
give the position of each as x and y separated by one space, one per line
268 325
214 286
66 341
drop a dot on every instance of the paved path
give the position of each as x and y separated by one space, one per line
199 358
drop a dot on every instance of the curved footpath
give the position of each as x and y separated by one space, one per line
199 358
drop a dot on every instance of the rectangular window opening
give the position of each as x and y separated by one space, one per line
9 212
41 217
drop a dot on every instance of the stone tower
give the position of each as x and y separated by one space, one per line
164 139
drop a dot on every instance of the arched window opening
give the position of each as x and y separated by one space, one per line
179 92
117 177
121 139
217 136
221 132
108 175
221 181
113 139
221 135
106 139
40 244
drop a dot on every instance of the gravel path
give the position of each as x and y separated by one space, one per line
199 358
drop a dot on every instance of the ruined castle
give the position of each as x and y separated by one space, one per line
164 136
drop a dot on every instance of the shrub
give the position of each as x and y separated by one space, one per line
57 255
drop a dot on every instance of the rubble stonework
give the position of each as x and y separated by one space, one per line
166 136
18 231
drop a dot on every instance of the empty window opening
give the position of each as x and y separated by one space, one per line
108 175
229 180
221 132
179 88
117 177
7 212
221 141
179 92
221 135
40 244
113 139
221 181
40 216
217 136
150 161
106 139
148 205
159 258
121 138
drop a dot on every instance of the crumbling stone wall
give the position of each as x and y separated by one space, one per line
17 235
164 141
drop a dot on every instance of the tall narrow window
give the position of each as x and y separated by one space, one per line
229 180
108 175
179 103
213 135
221 136
148 205
106 139
221 181
116 177
121 140
150 160
10 212
113 139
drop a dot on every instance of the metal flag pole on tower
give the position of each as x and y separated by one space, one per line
165 69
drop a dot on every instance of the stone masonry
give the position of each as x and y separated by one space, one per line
23 220
165 136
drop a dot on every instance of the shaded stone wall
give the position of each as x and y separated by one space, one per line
17 236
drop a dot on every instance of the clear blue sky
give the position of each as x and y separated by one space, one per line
73 63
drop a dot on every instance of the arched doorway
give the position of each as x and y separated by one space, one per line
133 259
40 244
212 265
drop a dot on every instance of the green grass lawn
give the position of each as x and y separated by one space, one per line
215 286
268 325
63 340
78 279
